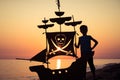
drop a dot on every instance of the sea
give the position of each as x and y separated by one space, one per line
11 69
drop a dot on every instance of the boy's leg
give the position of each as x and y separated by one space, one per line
84 63
92 67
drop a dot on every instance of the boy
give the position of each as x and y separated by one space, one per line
86 49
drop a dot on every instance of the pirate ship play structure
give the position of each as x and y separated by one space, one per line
59 43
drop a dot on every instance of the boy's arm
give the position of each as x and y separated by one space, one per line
77 45
95 41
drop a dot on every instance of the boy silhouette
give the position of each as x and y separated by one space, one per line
86 49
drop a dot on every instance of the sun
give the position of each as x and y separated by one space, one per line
58 64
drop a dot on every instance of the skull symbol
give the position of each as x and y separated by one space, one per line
60 40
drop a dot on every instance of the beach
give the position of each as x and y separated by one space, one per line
109 72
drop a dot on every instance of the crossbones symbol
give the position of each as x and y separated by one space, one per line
60 49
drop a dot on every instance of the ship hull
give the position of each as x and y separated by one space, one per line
76 71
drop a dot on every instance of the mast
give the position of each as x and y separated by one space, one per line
58 4
45 26
60 20
74 23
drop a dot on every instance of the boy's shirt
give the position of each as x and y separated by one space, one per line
85 44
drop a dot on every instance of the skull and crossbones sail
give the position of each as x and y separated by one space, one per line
60 43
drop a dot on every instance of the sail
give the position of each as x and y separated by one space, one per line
41 56
60 43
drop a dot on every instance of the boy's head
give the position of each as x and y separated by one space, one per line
83 29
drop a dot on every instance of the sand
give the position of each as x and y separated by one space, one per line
109 72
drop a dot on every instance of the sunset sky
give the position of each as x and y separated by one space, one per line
20 36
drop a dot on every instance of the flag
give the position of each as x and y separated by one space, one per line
58 4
